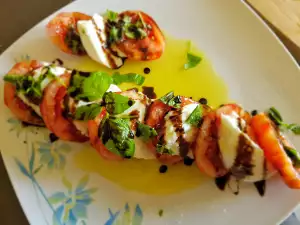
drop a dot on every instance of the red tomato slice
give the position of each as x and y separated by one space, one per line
93 127
148 48
63 27
15 104
52 111
155 118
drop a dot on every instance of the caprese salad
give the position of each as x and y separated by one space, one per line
88 106
110 38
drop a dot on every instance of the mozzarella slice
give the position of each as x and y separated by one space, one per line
229 134
93 37
189 134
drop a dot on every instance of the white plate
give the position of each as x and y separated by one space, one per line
259 72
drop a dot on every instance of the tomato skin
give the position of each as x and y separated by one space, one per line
14 103
52 111
148 48
93 127
59 27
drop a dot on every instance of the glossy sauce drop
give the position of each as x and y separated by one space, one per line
167 74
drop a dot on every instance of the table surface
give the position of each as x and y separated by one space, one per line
283 16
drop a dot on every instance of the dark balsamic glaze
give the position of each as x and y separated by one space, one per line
58 62
53 137
221 182
149 92
163 168
147 70
261 185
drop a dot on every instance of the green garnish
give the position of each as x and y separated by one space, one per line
111 16
92 87
117 137
160 212
195 116
128 78
87 112
294 156
145 132
171 100
167 97
114 34
116 103
275 116
162 149
192 59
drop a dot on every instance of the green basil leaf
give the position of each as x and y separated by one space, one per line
111 16
128 78
192 61
195 116
116 103
162 149
94 86
87 112
166 98
275 116
117 136
295 128
294 156
127 20
145 132
175 102
114 34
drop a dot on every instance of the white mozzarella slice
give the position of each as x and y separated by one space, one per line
141 150
82 126
36 108
93 37
229 134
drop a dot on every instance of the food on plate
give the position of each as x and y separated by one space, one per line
63 32
109 39
226 142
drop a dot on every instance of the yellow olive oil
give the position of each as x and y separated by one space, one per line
166 74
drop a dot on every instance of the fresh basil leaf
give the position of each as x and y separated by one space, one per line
114 34
111 16
293 155
94 86
195 116
295 128
162 149
275 116
117 136
127 20
142 20
192 61
145 132
116 103
128 78
87 112
166 98
175 102
142 33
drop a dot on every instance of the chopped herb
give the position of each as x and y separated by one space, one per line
142 20
114 34
294 156
145 131
127 20
92 87
87 112
160 212
116 103
195 116
162 149
128 78
166 98
111 16
192 61
117 137
275 116
175 102
130 34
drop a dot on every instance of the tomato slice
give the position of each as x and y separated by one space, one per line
93 127
155 118
52 111
15 104
63 33
148 48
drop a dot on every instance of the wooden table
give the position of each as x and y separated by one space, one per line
282 15
284 18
